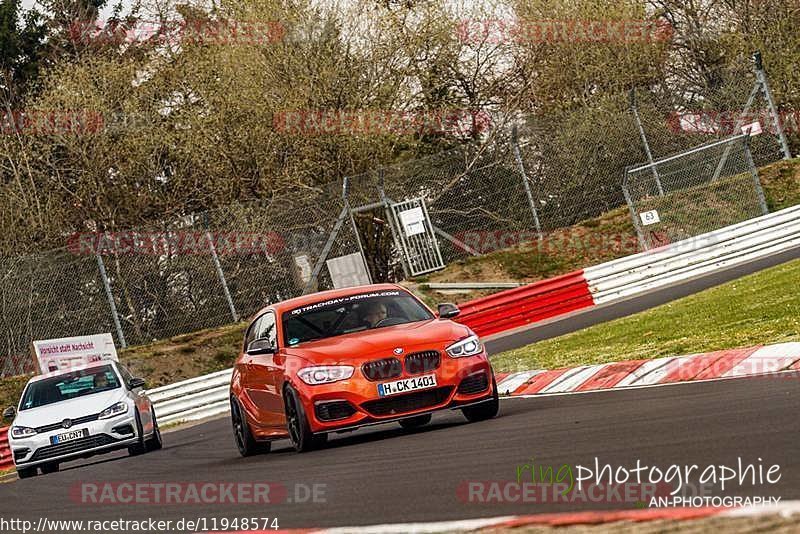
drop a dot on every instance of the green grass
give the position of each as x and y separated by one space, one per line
761 308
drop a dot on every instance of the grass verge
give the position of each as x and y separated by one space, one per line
757 309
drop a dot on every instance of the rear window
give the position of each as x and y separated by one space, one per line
69 386
364 311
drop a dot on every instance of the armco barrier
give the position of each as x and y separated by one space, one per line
740 243
193 399
526 304
6 461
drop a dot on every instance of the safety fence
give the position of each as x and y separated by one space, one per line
193 399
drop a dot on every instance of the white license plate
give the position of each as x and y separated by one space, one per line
69 436
407 384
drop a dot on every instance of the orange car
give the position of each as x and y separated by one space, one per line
338 360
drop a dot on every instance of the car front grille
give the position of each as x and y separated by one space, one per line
382 369
422 362
56 426
334 410
474 384
410 402
89 442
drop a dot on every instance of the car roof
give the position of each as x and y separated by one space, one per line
305 300
71 370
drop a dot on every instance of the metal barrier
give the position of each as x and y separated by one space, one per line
740 243
6 461
193 399
526 304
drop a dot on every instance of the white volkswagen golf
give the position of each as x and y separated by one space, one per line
87 410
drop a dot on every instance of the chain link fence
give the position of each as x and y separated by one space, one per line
554 170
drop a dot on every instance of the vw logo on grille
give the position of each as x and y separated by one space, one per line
398 350
66 423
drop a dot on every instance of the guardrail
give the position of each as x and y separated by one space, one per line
6 461
526 304
193 399
729 246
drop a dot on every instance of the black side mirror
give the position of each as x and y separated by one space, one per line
9 413
448 310
260 346
136 383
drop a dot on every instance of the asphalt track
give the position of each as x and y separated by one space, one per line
387 475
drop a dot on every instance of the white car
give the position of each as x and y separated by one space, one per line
80 412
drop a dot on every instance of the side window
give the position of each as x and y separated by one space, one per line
125 374
251 332
266 328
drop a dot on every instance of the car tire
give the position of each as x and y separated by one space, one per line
154 443
303 440
50 468
246 444
415 422
138 448
27 472
485 410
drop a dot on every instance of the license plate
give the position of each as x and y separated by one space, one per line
407 384
69 436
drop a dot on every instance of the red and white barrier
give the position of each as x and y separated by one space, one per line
781 360
634 275
6 460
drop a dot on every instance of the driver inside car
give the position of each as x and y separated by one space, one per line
374 313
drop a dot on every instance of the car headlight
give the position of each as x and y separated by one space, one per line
325 374
113 410
22 432
469 346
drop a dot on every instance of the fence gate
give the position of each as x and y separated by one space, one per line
414 235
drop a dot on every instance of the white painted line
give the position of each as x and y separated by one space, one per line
422 528
769 359
573 378
637 377
513 381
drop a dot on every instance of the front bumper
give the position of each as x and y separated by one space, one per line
353 403
105 435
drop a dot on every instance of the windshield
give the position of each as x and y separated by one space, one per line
354 313
69 386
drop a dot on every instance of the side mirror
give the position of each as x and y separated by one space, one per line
9 413
136 383
260 346
448 310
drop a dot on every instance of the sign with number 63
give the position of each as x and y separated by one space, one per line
649 217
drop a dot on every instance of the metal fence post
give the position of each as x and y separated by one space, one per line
632 208
221 275
521 167
762 201
642 134
345 189
761 75
111 304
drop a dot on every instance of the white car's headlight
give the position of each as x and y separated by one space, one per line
469 346
22 432
113 410
325 374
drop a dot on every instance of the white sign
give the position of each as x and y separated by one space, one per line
348 271
752 129
649 217
59 354
413 221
